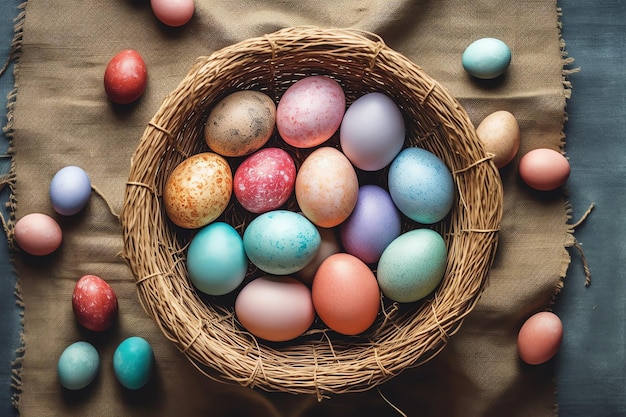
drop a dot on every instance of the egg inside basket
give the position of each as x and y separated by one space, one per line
321 362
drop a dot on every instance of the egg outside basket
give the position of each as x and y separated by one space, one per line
320 362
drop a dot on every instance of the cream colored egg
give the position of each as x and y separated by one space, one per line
327 187
499 133
241 123
198 190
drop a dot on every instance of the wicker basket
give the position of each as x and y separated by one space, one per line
321 362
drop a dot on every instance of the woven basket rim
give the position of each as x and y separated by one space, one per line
322 363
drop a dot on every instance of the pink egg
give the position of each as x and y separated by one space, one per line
38 234
544 169
310 111
173 12
265 180
327 187
275 308
539 338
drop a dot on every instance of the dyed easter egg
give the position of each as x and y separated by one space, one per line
216 259
544 169
173 13
539 338
38 234
373 224
275 308
94 303
499 133
486 58
372 132
198 190
412 266
265 180
327 187
70 189
310 111
78 365
281 242
133 362
125 77
240 123
329 245
421 185
345 294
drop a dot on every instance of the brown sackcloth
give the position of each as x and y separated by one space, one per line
62 117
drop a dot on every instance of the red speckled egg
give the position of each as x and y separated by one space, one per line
198 190
310 111
94 303
544 169
539 338
345 294
265 180
38 234
125 77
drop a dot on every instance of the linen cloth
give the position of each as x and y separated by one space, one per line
62 117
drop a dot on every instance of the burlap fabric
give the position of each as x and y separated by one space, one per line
62 117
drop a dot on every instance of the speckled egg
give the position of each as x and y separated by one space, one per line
198 190
241 123
412 266
421 185
373 224
327 187
486 58
372 132
310 111
499 133
281 242
277 309
345 294
265 180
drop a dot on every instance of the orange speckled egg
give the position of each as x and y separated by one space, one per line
539 338
499 133
327 187
345 294
198 190
544 169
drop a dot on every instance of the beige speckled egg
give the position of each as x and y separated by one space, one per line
241 123
499 133
198 190
327 187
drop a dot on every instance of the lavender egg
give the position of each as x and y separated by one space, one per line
374 223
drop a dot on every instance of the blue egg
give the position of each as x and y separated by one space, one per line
281 242
412 266
70 190
78 365
486 58
216 260
421 185
133 361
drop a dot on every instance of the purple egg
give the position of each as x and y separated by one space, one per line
374 223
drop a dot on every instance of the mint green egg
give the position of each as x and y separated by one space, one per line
78 365
216 260
412 265
486 58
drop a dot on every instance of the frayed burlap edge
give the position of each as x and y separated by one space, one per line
7 216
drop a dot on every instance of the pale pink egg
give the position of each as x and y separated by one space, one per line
173 12
38 234
327 187
539 338
544 169
310 111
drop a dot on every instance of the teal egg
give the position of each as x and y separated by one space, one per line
216 259
486 58
412 266
421 185
133 361
281 242
78 365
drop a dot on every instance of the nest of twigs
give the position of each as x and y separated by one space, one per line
322 362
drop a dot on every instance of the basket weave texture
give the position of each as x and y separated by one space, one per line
320 362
